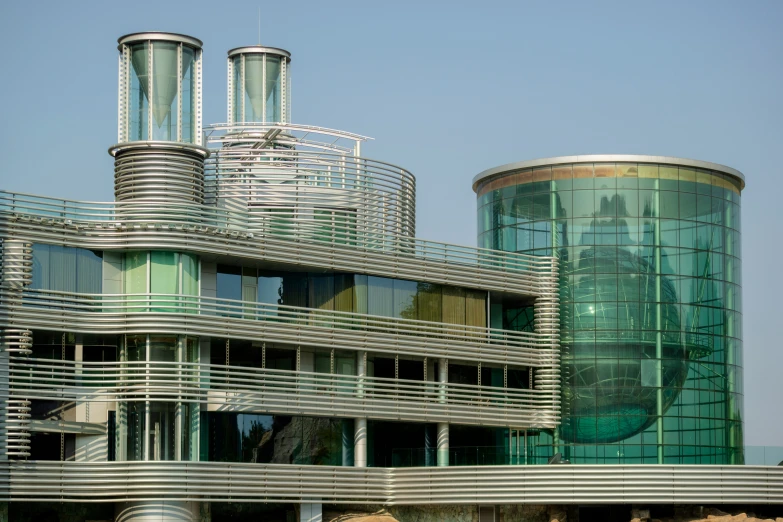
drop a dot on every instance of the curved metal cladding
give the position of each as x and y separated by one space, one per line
159 155
161 172
135 483
296 178
16 273
650 312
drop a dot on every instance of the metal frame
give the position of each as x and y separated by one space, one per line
606 158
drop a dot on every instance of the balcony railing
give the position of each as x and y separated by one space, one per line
196 315
105 218
265 390
210 481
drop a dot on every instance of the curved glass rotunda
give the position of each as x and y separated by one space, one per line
650 297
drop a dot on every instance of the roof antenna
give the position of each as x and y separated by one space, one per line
259 25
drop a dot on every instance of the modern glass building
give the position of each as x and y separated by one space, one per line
650 299
252 331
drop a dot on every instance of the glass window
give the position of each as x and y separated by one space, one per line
273 89
229 282
67 269
164 91
254 88
139 87
238 89
188 95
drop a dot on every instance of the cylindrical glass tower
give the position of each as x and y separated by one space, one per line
259 85
650 289
159 157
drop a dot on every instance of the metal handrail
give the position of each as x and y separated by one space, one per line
251 310
38 310
265 390
463 485
126 215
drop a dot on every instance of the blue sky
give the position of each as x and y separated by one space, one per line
448 89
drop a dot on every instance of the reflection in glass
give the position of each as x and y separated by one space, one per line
650 322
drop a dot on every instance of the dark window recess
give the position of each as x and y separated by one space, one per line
111 431
278 439
518 379
46 446
486 513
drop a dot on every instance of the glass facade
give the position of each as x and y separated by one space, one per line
161 91
160 273
380 296
66 269
651 310
276 439
257 88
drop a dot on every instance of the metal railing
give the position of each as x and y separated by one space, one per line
217 481
196 315
294 240
265 390
367 200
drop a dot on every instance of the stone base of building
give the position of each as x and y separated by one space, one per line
227 512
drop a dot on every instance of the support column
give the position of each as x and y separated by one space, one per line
443 444
158 511
310 512
443 427
360 424
360 443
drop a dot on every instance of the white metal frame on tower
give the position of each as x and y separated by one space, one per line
283 89
197 98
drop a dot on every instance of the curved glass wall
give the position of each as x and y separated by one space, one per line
161 273
260 87
650 304
161 92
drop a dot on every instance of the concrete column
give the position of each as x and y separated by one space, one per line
443 444
158 511
360 443
443 427
360 424
310 513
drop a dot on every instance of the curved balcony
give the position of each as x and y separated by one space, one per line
210 317
278 172
264 390
331 243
